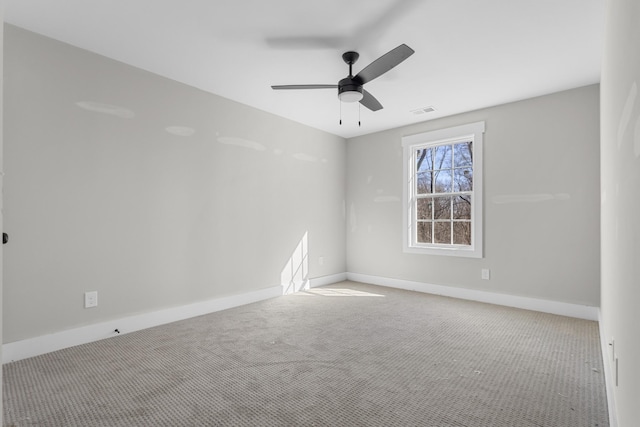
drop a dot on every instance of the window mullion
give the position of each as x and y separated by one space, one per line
451 219
453 194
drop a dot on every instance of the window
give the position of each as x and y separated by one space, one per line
443 191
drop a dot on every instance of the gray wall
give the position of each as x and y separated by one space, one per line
106 199
547 249
620 152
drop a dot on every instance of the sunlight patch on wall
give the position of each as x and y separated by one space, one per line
386 199
112 110
295 274
353 218
305 157
636 137
528 198
240 142
180 130
626 113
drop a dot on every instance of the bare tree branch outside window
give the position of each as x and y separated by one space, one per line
444 184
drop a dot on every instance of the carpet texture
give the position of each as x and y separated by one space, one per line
343 355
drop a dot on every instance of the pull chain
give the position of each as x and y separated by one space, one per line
359 114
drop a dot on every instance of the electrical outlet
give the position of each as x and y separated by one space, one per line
486 274
90 299
321 260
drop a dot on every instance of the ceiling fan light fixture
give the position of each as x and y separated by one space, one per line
350 96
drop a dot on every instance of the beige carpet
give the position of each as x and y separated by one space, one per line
343 355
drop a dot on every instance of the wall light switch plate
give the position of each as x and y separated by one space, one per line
90 299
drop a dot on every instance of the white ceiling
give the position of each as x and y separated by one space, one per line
470 54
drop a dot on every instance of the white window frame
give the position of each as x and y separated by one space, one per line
472 131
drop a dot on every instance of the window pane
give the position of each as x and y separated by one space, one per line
443 181
442 232
461 233
463 155
442 158
463 179
442 208
462 207
424 232
424 159
425 209
425 183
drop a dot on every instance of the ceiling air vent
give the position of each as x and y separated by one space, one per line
423 110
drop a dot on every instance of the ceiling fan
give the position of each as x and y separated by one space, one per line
350 89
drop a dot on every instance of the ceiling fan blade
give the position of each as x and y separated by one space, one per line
384 63
370 101
286 87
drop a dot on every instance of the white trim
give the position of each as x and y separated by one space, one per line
443 134
474 131
327 280
545 306
47 343
608 374
57 341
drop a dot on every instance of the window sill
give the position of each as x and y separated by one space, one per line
444 251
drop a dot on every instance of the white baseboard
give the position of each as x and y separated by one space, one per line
545 306
609 374
327 280
47 343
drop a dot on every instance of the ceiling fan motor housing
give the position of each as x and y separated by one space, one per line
348 84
